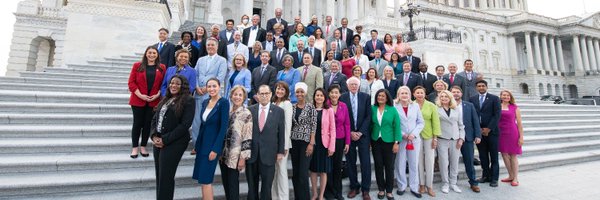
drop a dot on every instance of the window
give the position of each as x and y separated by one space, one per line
493 40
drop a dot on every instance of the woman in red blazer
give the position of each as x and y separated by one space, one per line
144 84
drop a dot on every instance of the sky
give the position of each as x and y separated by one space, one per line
550 8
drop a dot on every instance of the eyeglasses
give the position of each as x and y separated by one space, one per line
264 94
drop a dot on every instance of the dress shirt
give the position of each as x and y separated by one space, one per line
269 46
228 34
260 107
252 37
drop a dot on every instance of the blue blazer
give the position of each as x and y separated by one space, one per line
206 69
213 129
187 72
369 48
243 78
489 112
291 78
392 87
223 35
363 123
471 121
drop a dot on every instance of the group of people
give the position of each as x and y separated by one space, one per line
248 107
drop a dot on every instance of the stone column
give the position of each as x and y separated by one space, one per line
381 8
530 64
546 65
276 4
352 14
514 4
295 11
341 11
497 4
305 12
483 4
512 50
331 11
451 3
472 4
553 62
246 8
597 49
593 59
584 53
576 54
525 7
561 58
396 9
538 53
214 13
461 3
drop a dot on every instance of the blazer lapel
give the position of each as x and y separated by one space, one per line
214 109
442 113
268 117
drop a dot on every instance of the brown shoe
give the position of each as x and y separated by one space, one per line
422 189
193 152
353 193
475 188
366 196
430 192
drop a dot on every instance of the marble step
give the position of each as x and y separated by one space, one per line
71 88
560 129
130 59
561 147
570 122
91 144
87 71
101 68
565 137
63 82
558 116
41 132
558 110
62 97
39 108
557 106
115 77
65 119
111 63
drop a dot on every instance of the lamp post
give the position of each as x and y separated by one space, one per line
411 11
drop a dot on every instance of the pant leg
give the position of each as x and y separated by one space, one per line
351 165
378 161
148 114
389 158
365 162
252 179
300 163
443 145
454 155
267 173
281 189
137 126
231 183
334 178
400 167
484 157
467 154
413 165
168 161
156 154
493 151
197 119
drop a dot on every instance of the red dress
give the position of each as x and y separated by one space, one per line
347 66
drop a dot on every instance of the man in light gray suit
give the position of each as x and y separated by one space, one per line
328 28
378 63
337 39
471 77
237 47
209 66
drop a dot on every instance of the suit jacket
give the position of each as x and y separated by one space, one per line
316 56
458 81
369 48
213 129
232 51
223 34
389 128
264 44
452 126
278 64
341 46
167 54
297 61
339 79
174 129
471 121
469 87
260 36
137 81
243 78
413 81
328 133
270 141
380 67
413 122
221 49
392 87
313 79
414 66
269 78
329 35
489 112
349 34
363 117
195 54
428 83
271 22
206 69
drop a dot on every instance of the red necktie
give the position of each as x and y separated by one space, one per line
374 44
451 79
305 72
327 31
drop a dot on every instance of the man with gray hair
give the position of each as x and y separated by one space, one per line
277 19
222 42
254 32
236 48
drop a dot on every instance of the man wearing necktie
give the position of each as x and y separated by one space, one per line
277 54
373 45
453 79
311 75
378 63
314 52
347 37
428 78
236 48
409 79
277 19
335 77
297 55
470 79
413 60
165 48
265 74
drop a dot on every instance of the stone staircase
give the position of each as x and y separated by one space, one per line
66 135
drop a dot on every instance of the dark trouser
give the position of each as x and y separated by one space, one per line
468 156
334 179
255 171
142 118
300 165
365 164
383 157
231 182
166 161
488 154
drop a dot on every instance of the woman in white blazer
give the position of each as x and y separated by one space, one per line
451 140
412 123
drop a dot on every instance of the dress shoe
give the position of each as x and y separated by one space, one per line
145 154
416 194
514 183
506 180
475 188
422 189
400 192
455 188
390 197
430 192
352 193
133 156
476 162
483 180
380 195
493 184
366 196
445 188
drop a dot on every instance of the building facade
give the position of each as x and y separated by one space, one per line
513 48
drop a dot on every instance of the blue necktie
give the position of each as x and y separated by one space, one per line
481 98
354 109
160 46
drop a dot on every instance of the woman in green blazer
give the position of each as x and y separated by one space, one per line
385 136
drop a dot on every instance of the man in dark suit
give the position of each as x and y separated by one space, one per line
277 19
413 60
488 108
407 78
269 43
472 135
470 78
253 33
297 55
277 54
347 33
374 44
222 47
265 74
313 51
452 78
337 53
359 107
227 34
268 132
166 50
427 78
335 77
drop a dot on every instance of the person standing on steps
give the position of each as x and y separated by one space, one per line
165 48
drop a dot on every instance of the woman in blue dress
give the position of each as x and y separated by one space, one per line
290 75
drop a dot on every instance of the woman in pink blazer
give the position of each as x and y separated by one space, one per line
320 164
342 142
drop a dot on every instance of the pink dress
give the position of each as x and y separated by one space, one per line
401 48
389 49
508 141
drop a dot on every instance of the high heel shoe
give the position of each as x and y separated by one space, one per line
133 156
145 154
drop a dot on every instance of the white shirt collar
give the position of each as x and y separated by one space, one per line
260 107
